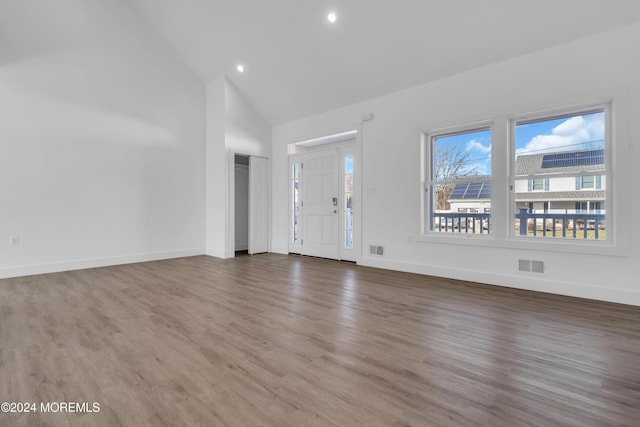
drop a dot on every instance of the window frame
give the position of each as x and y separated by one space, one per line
428 201
294 245
345 228
605 107
533 183
616 101
591 182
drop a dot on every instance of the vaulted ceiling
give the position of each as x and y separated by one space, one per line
298 64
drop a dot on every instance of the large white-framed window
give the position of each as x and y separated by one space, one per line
458 180
560 164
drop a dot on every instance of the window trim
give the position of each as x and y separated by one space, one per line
532 184
427 156
618 126
294 246
605 106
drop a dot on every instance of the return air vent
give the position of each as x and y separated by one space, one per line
537 266
531 266
376 250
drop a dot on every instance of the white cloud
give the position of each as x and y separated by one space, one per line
595 126
570 126
479 157
574 133
474 145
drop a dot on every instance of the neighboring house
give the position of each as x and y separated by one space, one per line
554 182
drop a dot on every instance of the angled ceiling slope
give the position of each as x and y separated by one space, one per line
298 64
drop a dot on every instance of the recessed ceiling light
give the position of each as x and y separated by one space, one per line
332 17
240 68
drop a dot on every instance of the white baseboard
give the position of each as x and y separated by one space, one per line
30 270
531 283
280 250
221 254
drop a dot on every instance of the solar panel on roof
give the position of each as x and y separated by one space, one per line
574 158
485 192
474 190
458 192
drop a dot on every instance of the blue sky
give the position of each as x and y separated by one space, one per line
476 144
565 134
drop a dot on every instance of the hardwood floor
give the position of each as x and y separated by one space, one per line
273 340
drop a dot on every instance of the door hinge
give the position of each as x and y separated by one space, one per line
302 241
301 204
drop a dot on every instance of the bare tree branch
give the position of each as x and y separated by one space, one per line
451 162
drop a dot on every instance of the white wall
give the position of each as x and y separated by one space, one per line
101 140
217 190
233 126
581 71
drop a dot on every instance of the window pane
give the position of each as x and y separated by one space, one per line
348 164
294 222
348 174
295 200
538 184
348 239
557 152
461 154
460 187
348 220
588 182
348 201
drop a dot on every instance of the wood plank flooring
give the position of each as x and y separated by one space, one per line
274 340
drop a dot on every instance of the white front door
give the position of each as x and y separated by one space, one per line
258 205
320 204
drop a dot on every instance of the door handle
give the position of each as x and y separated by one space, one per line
335 201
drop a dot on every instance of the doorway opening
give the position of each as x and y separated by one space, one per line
250 204
241 211
324 206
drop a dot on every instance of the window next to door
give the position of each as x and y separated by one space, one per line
295 201
348 201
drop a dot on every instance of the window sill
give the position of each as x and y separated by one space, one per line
603 247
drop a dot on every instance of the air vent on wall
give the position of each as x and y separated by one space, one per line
531 266
376 250
537 266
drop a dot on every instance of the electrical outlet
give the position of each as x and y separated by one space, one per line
14 241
